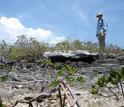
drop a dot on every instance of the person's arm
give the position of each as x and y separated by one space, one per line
97 30
104 27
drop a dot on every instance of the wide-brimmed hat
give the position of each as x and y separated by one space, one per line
99 14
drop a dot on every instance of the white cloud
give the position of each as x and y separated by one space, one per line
58 39
10 28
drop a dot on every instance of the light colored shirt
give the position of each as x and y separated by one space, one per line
101 26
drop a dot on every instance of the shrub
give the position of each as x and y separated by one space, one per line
68 72
113 49
116 79
30 49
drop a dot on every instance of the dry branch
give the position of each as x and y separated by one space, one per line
69 89
41 96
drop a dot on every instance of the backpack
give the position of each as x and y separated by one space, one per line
103 21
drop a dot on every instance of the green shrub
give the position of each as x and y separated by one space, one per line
7 68
90 46
68 72
116 79
24 49
30 49
113 49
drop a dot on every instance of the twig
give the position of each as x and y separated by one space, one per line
35 80
60 96
106 95
64 100
68 98
114 93
71 92
122 89
30 105
118 87
43 95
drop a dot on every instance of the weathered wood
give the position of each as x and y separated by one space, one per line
60 96
69 89
44 95
47 95
68 98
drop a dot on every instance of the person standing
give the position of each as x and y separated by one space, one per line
101 33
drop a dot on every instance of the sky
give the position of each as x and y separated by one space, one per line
53 21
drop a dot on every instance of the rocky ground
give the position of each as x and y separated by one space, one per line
29 79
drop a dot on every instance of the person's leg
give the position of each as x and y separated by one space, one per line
101 39
103 44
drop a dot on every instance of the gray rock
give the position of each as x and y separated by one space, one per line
112 56
14 76
8 93
79 55
120 58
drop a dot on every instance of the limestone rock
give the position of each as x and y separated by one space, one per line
79 55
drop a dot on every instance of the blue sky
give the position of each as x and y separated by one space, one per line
56 20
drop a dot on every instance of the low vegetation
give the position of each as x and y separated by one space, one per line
30 49
113 82
68 72
5 68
